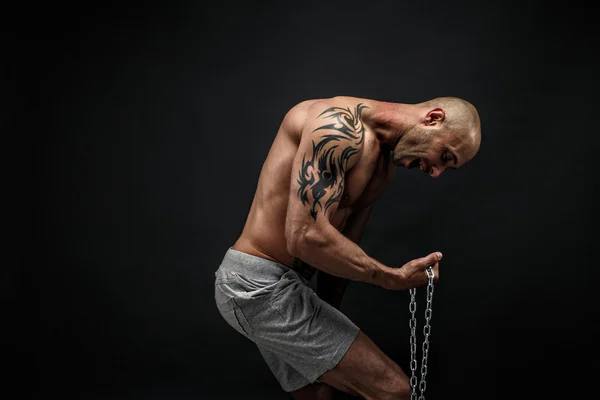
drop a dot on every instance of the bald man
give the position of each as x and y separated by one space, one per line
330 161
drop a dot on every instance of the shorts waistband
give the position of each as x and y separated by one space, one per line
252 266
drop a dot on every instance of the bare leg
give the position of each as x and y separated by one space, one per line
315 391
366 370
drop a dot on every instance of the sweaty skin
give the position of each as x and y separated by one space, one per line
302 212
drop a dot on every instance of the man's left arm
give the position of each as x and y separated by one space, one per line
331 288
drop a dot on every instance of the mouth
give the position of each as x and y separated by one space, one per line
419 163
414 163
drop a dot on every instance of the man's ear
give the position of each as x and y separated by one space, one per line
435 116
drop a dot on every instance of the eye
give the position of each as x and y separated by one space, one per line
445 157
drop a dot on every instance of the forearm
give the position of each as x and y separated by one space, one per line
331 288
330 251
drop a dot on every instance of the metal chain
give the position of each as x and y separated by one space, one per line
413 344
413 339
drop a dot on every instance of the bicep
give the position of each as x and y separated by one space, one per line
330 145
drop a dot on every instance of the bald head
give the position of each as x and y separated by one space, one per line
460 118
446 133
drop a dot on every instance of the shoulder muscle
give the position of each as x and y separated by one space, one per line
331 142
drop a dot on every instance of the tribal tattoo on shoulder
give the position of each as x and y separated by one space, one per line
320 178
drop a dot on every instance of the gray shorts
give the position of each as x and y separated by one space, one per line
299 335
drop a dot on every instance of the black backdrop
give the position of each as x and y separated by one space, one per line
150 124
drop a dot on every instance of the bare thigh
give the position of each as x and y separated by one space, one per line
314 391
365 370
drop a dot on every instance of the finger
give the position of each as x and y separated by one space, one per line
424 262
436 272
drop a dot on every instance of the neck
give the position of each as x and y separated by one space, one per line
389 121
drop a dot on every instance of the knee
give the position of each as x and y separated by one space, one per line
402 391
395 387
324 392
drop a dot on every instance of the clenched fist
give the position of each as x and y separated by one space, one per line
413 274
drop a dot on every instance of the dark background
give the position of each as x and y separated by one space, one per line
147 128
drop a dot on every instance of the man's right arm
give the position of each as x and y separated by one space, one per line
330 145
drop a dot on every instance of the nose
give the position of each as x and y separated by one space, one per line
436 171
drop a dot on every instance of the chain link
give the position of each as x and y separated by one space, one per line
413 344
422 386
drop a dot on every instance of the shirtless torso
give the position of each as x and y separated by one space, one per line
264 232
330 160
